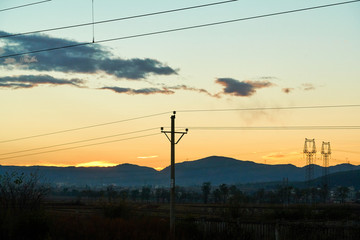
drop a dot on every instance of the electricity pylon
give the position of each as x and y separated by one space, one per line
309 152
326 154
173 142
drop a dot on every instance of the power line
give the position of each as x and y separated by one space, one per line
180 29
268 108
117 19
75 142
24 5
346 151
86 127
184 111
278 128
87 145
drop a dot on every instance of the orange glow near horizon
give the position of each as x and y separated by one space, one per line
96 164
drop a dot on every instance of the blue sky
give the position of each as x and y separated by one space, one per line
300 59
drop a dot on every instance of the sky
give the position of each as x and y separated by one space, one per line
308 58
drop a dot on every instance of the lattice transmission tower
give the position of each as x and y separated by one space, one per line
309 152
326 154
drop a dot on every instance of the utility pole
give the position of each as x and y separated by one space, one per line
173 142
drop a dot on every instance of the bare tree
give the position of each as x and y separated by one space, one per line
20 191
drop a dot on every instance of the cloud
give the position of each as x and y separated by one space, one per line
10 61
281 155
187 88
241 88
96 164
268 78
287 90
146 157
307 86
15 85
29 81
143 91
28 59
91 58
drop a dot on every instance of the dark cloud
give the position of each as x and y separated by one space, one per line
82 59
29 81
287 90
143 91
15 85
241 88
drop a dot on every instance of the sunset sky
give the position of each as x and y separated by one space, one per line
309 58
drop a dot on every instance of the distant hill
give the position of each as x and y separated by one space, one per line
213 169
219 170
346 179
124 174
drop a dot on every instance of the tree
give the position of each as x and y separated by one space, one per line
224 192
134 194
206 188
19 191
236 196
342 193
259 195
217 195
111 193
145 194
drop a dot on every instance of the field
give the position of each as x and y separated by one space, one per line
72 219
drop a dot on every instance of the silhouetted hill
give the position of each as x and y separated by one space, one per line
124 174
346 179
219 170
213 169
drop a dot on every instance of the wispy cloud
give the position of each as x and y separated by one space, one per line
96 164
307 86
82 59
143 91
146 157
281 156
187 88
29 81
241 88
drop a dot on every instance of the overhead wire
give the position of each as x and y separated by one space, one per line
24 5
85 127
87 145
182 111
346 151
80 141
277 128
268 108
117 19
180 29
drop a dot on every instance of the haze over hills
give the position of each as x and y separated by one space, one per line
214 169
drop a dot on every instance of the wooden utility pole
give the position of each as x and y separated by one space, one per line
173 142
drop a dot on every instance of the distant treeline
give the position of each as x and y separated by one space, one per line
222 194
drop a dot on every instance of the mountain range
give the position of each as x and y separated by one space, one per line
214 169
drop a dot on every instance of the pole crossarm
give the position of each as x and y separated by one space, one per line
182 134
